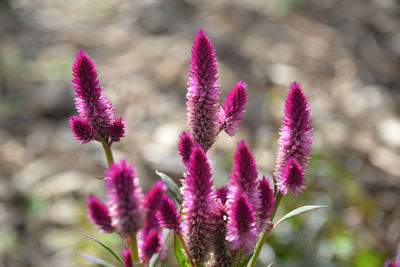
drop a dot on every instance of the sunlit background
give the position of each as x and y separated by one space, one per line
345 54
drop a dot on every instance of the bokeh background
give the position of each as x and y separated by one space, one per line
344 53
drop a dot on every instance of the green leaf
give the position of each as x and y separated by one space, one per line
183 261
172 186
298 211
246 260
96 260
106 247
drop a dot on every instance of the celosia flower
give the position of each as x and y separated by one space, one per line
81 129
185 147
292 177
230 114
152 202
169 216
244 174
267 203
199 204
296 133
125 199
203 92
117 129
126 253
150 244
91 103
222 194
242 229
99 214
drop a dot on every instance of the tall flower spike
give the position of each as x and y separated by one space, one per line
169 216
152 203
91 103
242 229
244 174
230 114
81 129
267 203
126 253
292 177
150 244
203 92
199 204
296 133
222 256
117 129
125 199
99 214
185 147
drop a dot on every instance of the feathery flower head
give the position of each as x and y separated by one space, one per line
81 129
169 216
199 204
230 114
150 244
222 194
185 147
292 177
99 214
117 129
242 229
203 92
126 253
125 199
221 251
296 133
91 103
244 174
152 202
267 203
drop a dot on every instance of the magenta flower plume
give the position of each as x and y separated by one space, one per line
199 204
125 199
99 214
169 216
296 133
267 203
203 92
152 202
242 229
150 244
117 129
91 103
230 114
81 129
126 254
185 147
292 177
244 174
222 194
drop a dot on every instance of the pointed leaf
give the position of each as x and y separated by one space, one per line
106 247
246 260
96 260
172 186
183 261
298 211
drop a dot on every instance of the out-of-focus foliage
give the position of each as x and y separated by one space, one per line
344 54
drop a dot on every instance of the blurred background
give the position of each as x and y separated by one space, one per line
345 54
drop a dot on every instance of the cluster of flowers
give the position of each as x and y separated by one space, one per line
216 227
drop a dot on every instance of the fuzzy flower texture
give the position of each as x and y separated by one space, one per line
96 120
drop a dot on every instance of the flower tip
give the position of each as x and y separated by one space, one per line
185 147
126 253
295 85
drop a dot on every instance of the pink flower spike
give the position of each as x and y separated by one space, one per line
244 174
99 214
230 114
185 147
150 244
169 216
222 194
296 133
126 253
267 203
125 199
242 229
203 92
199 204
292 177
81 129
152 202
117 129
91 103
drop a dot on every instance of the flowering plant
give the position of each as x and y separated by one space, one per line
211 227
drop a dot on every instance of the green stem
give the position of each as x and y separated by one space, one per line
183 243
132 244
236 259
108 152
260 243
